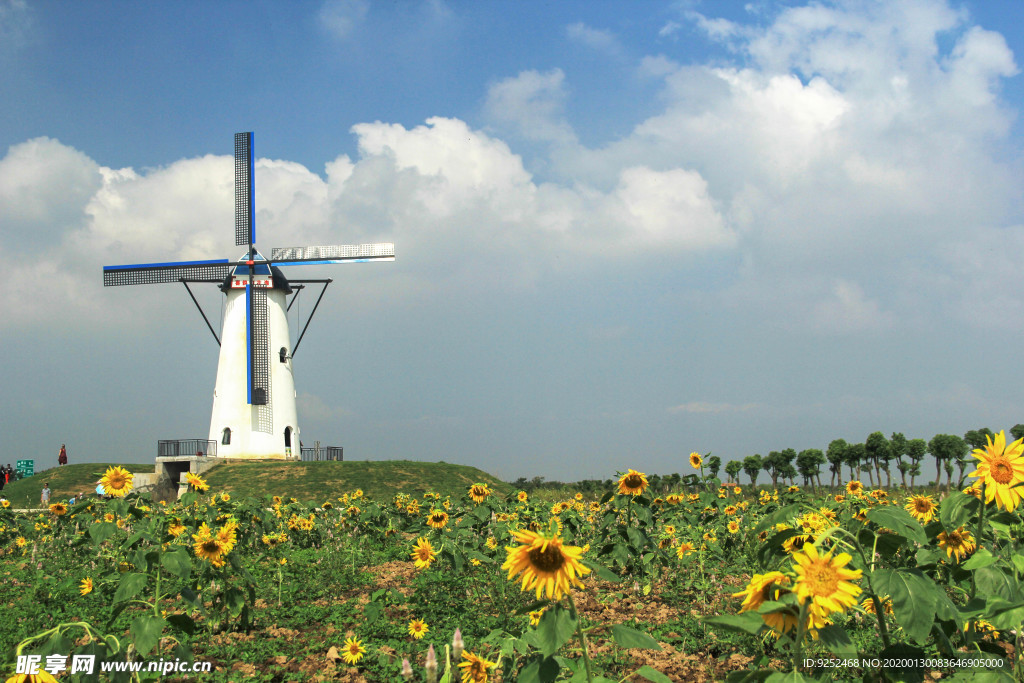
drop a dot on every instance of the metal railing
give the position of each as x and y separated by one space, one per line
314 453
170 448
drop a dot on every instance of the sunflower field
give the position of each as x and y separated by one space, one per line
704 582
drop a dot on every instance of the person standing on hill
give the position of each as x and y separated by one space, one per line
62 456
44 497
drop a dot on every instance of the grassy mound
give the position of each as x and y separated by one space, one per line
306 481
321 481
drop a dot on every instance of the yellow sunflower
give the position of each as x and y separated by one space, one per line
632 483
353 650
730 509
210 546
685 548
437 519
6 503
41 676
854 488
86 586
59 509
824 580
535 616
737 490
922 508
199 484
696 461
522 496
418 628
959 543
474 668
1000 470
478 492
546 564
761 589
423 553
117 481
733 526
175 528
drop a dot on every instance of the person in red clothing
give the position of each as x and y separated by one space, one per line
62 457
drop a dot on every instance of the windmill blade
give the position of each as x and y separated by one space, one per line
245 232
258 360
335 253
175 271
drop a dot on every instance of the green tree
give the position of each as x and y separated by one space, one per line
836 455
877 449
898 449
916 449
809 463
733 469
713 466
854 456
774 463
946 449
752 467
1017 431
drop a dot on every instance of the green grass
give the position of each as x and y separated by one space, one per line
306 481
65 482
321 481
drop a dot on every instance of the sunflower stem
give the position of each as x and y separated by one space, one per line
977 535
581 634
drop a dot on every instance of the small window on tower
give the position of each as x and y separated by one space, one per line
284 354
226 436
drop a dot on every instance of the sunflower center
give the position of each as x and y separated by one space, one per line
211 547
923 506
547 559
822 579
633 481
1001 470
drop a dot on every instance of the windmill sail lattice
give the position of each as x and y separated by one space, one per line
254 412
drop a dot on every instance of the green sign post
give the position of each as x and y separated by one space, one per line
26 468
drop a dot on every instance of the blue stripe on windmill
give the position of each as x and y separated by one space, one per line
254 413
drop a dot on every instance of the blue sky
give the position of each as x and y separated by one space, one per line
624 231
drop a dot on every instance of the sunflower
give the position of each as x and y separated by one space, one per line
535 616
59 509
199 484
760 589
868 604
734 526
86 586
673 499
6 503
1000 470
210 546
117 481
669 530
353 650
423 553
737 490
522 496
175 528
478 492
922 508
730 509
973 490
546 564
824 580
839 498
41 676
958 543
854 488
696 462
418 628
21 541
437 519
685 548
474 668
632 483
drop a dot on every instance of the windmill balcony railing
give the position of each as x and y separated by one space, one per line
311 454
171 448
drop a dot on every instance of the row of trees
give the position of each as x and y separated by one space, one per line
873 457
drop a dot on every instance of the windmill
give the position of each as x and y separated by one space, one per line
254 413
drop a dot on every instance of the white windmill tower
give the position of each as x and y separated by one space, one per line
254 414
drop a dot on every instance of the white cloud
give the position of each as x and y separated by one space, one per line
595 39
15 24
533 103
848 309
341 18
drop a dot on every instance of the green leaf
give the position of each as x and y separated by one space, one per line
130 586
913 600
992 581
182 622
601 571
652 674
956 510
372 611
629 637
903 653
102 531
177 562
982 558
900 521
791 677
758 676
838 641
145 632
555 629
234 599
1004 615
748 622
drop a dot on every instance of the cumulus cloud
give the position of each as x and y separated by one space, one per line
594 38
533 103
